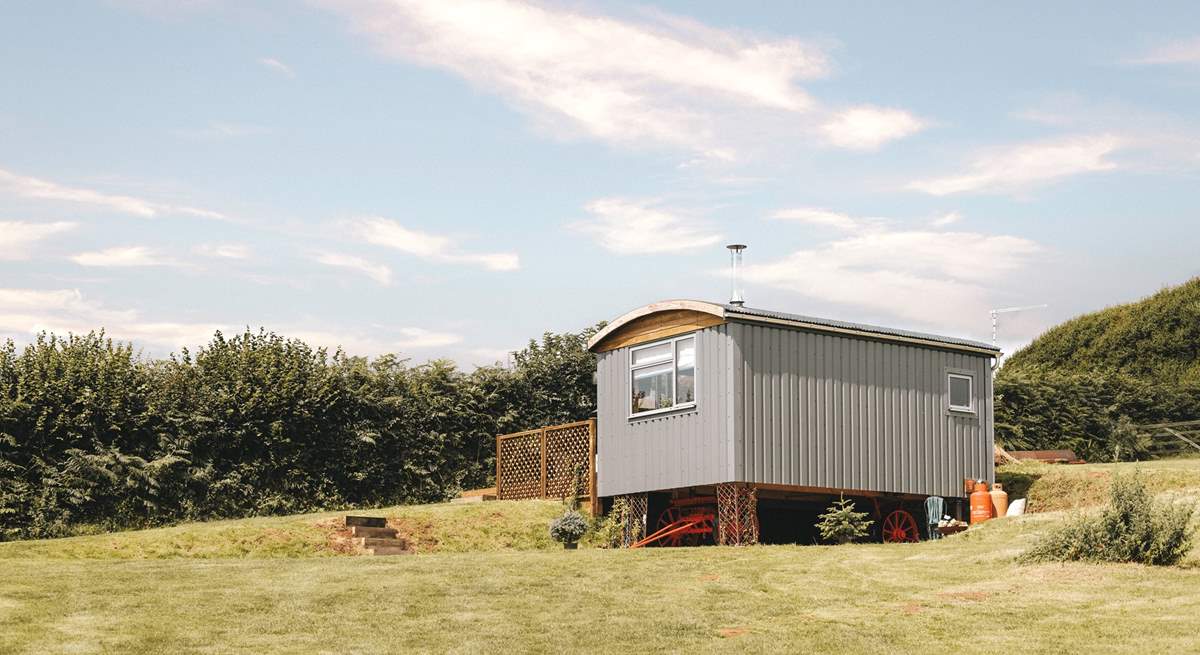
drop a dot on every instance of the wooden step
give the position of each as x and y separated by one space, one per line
389 550
360 531
366 521
474 499
372 543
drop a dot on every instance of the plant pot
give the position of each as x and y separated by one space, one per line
571 545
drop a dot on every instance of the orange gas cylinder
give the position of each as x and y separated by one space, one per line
981 503
999 500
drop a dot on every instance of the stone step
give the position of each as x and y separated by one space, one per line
360 531
372 543
389 550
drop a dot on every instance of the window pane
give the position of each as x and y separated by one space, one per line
960 391
685 370
653 354
652 387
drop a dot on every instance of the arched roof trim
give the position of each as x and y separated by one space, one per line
654 308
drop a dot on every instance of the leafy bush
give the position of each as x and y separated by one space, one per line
568 528
1083 384
93 434
608 531
1133 528
841 524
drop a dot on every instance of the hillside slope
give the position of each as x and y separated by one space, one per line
962 593
1155 339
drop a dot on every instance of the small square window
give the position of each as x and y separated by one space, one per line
961 393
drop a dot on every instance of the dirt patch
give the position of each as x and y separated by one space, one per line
732 632
712 577
338 538
418 533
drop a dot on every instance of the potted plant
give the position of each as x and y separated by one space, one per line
568 529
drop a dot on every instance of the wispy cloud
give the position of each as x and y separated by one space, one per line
223 250
32 187
419 338
949 218
664 80
121 256
30 311
925 276
391 234
273 64
378 272
819 217
640 227
1019 167
868 128
17 237
62 311
1179 51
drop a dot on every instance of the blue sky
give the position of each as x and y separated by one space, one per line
451 179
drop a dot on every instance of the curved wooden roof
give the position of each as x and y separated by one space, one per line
671 317
656 321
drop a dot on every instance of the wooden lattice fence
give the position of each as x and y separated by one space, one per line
548 462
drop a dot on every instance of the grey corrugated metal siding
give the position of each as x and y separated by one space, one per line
848 413
666 451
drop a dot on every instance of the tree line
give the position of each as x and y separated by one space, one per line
94 436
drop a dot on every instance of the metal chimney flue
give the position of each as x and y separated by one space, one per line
736 297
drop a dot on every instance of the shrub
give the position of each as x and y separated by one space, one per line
841 524
1132 528
609 530
568 528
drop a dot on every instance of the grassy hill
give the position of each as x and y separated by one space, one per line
1156 339
1086 384
490 583
443 528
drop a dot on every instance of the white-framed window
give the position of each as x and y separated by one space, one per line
962 393
662 375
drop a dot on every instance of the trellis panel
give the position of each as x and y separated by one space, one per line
547 462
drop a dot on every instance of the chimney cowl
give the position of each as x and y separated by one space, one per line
736 297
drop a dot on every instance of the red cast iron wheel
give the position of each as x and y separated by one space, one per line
900 527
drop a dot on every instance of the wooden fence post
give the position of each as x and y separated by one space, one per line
595 499
498 496
543 435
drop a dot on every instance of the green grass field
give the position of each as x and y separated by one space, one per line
488 580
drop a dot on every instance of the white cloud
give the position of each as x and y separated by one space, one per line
868 128
821 217
928 277
278 66
224 250
121 256
62 311
390 234
32 187
26 312
413 338
636 227
664 81
1180 51
1028 164
17 237
949 218
378 272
